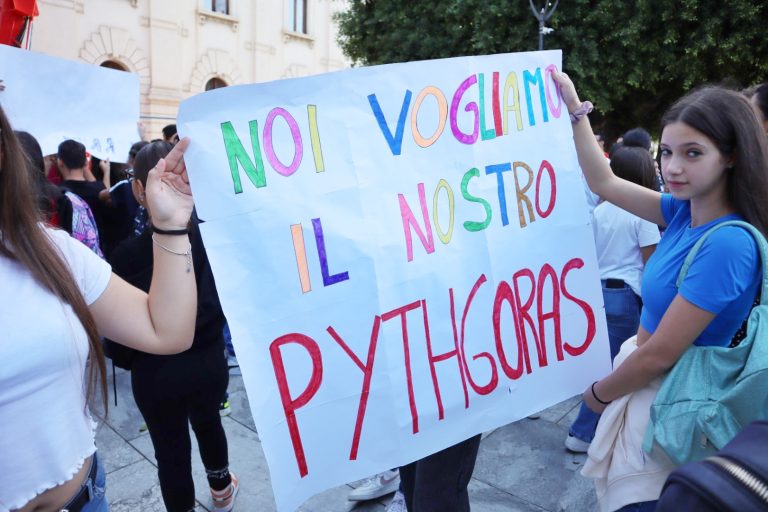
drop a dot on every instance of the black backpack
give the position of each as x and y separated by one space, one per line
733 480
121 356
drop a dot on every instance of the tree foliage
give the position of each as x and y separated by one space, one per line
632 59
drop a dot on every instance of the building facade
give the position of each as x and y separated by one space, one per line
183 47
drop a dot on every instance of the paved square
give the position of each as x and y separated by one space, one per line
522 467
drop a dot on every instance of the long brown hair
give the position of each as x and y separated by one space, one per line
23 239
727 118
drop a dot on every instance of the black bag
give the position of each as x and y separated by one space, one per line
121 356
733 480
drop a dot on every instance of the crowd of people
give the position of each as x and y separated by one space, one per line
81 238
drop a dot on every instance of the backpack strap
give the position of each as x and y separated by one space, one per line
114 382
762 247
64 210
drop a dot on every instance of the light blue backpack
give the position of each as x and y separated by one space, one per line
712 393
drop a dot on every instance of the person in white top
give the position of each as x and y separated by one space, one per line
624 243
56 299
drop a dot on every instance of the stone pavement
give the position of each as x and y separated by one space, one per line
522 467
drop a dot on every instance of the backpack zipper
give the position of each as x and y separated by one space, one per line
745 477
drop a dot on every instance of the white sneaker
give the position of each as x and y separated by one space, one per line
576 445
397 504
376 486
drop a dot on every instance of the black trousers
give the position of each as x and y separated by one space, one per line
171 392
438 482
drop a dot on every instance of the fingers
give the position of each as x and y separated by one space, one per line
162 174
175 159
177 183
567 90
156 171
561 78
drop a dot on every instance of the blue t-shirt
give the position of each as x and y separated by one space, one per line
723 278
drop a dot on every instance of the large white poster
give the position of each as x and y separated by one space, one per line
56 99
403 253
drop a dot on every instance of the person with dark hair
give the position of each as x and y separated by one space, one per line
173 391
72 154
52 369
714 158
61 208
48 195
119 202
624 242
71 160
637 137
140 218
169 134
615 147
758 98
135 148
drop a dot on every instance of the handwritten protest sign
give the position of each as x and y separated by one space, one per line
57 99
404 256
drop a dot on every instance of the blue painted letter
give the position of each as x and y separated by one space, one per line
396 142
499 170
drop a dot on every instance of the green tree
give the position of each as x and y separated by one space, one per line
632 59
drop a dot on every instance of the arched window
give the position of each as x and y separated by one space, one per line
111 64
215 83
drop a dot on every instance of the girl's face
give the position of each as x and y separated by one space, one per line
691 163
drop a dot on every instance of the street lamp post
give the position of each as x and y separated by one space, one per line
543 15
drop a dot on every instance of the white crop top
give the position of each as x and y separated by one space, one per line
46 431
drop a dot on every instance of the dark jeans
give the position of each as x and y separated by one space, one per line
438 482
171 392
645 506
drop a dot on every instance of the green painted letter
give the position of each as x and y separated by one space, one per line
237 153
472 225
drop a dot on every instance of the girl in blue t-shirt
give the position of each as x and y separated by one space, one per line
715 161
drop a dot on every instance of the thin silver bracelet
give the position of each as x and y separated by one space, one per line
188 253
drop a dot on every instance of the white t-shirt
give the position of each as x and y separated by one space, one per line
619 235
46 431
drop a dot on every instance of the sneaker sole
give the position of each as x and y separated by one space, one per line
378 493
576 445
